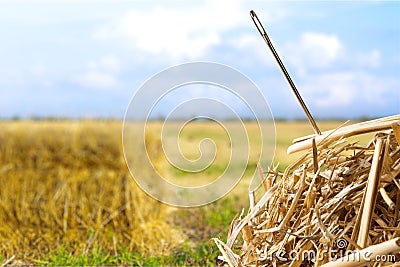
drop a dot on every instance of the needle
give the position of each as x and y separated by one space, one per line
264 34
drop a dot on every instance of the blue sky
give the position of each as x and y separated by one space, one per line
87 58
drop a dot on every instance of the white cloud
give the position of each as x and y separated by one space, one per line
251 47
97 80
369 59
100 74
108 63
41 75
39 69
184 32
331 90
314 50
246 40
345 89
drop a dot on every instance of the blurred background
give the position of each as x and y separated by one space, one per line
66 195
86 59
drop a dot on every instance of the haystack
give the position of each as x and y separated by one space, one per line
337 205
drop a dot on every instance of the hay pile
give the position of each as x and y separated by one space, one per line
66 196
340 201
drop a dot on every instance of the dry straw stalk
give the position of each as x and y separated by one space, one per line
338 197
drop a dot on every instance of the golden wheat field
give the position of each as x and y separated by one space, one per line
65 184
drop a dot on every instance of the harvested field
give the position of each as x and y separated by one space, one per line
65 184
67 198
